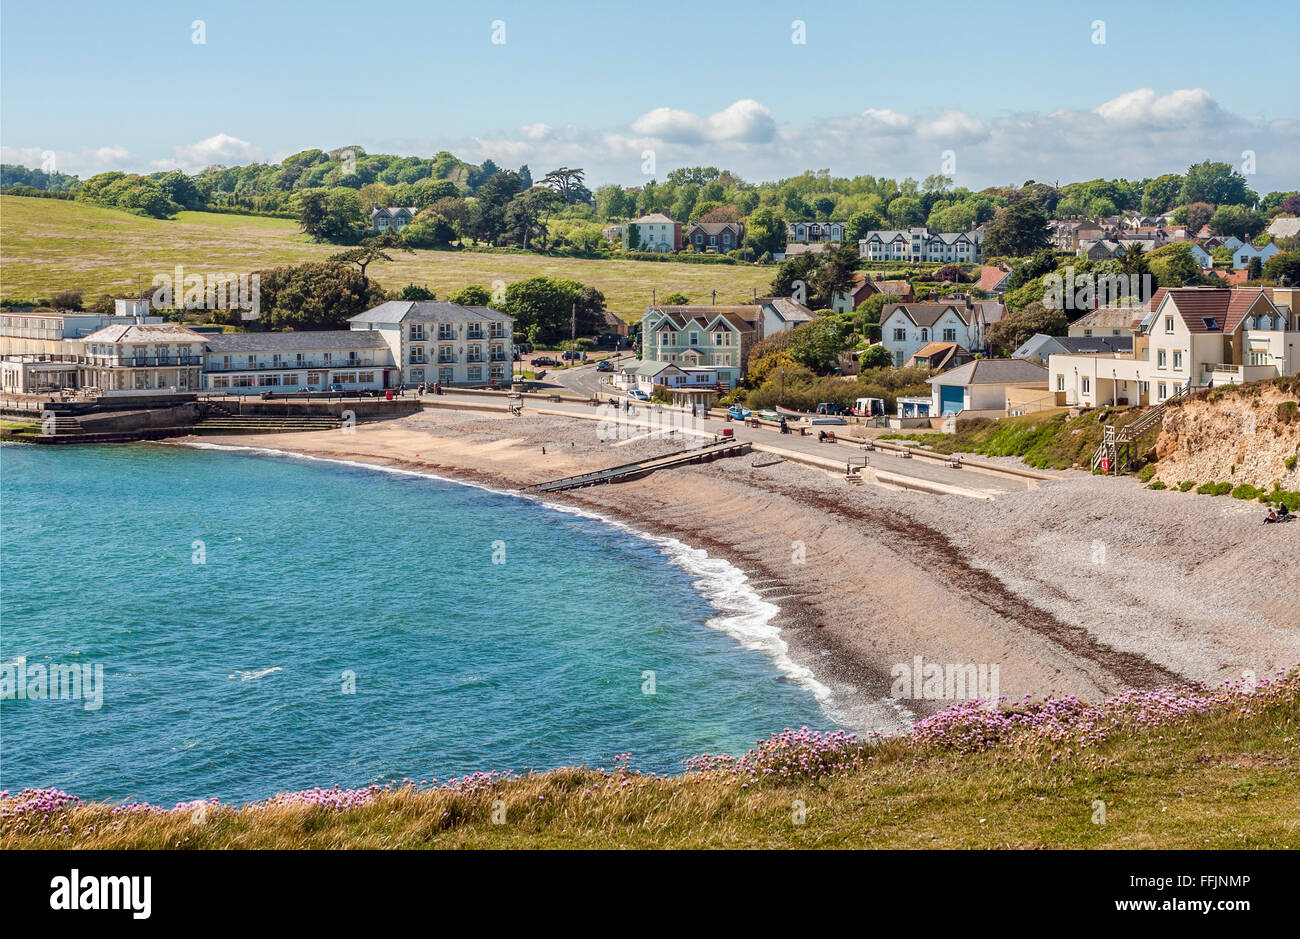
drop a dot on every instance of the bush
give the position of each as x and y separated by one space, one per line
1289 462
1245 491
1214 489
1145 474
1156 485
1185 485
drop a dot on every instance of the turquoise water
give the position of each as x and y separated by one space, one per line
229 678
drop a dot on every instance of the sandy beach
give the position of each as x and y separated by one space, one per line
1081 585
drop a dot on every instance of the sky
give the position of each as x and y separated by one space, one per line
991 93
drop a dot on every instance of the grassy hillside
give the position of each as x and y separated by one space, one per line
1148 769
48 245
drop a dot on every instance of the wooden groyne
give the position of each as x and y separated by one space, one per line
617 474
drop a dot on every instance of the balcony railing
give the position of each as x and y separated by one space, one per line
216 366
141 361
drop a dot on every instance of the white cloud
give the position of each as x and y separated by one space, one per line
219 148
1143 108
953 128
745 121
85 162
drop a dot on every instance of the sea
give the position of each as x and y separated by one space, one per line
246 622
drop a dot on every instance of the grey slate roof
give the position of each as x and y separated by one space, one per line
993 372
299 341
408 311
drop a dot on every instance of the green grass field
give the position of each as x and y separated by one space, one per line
1224 775
48 245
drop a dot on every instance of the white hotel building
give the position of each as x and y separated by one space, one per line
438 341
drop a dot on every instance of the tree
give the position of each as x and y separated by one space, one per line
317 295
1174 266
1254 268
416 292
876 356
1284 268
542 306
1237 220
330 215
677 299
1216 183
473 295
1014 329
372 249
1159 195
523 216
67 300
567 184
1197 216
836 273
429 230
1019 228
765 231
588 306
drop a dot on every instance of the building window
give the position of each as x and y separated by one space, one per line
1060 382
1161 391
950 335
1087 385
1161 358
900 335
445 332
417 332
1169 324
1178 359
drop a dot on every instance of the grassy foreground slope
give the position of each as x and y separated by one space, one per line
48 245
1146 770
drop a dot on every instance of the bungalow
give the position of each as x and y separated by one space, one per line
715 237
1284 227
392 218
982 385
647 374
435 340
1039 347
782 313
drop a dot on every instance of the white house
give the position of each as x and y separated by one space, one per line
438 341
392 218
1191 337
906 327
653 232
141 358
252 363
921 244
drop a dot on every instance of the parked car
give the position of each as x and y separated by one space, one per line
737 413
605 365
829 407
545 360
638 394
570 354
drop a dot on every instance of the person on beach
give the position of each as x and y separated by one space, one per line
1283 513
784 429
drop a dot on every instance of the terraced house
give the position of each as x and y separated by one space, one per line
921 244
438 341
1190 337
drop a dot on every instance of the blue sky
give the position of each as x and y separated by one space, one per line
1014 90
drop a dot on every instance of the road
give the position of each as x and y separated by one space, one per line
582 380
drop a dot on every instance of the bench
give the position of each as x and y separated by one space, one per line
953 461
904 453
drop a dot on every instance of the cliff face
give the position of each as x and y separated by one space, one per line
1235 435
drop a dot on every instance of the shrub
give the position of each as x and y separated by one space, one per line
1214 489
1246 491
1145 474
1289 462
1185 485
1156 485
